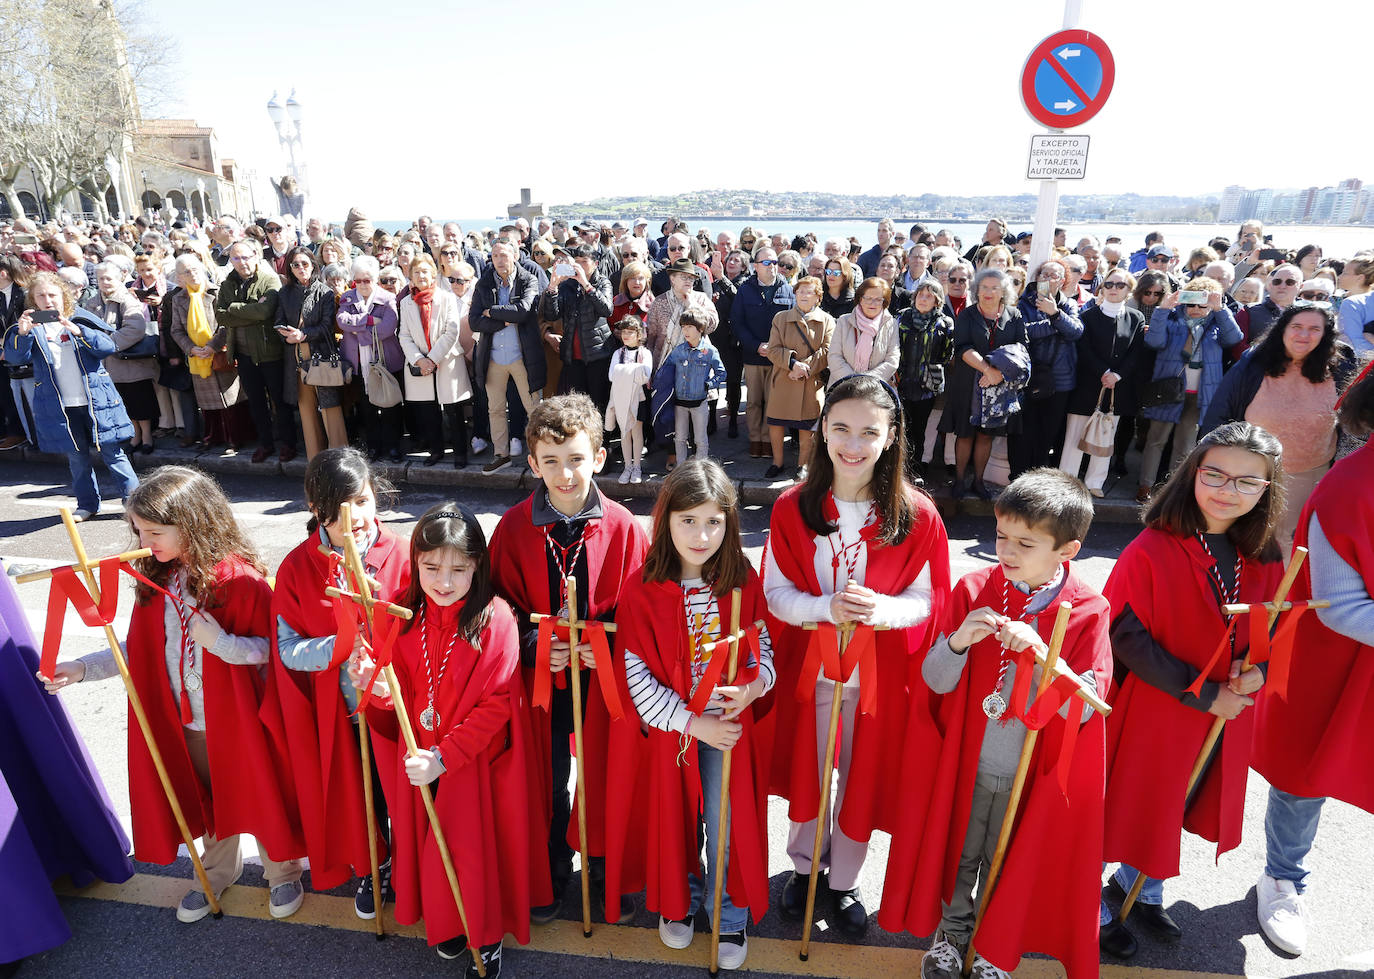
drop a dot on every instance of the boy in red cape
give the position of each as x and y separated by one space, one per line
309 695
566 528
458 669
1047 895
1314 742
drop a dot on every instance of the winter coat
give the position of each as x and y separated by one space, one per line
584 314
1052 343
488 316
798 338
1109 343
249 310
361 322
128 317
751 318
1168 334
449 383
923 342
882 362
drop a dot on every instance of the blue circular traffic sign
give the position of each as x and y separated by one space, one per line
1067 78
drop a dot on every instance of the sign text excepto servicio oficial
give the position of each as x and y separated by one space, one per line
1058 157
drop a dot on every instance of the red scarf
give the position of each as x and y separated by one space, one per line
424 301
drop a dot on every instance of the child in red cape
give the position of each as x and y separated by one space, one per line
1315 742
1048 889
670 621
309 695
1209 541
855 542
196 662
567 528
457 662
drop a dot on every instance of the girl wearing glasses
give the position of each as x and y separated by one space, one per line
1209 541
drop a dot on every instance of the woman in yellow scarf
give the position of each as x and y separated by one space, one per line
223 407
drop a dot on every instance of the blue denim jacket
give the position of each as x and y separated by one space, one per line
695 370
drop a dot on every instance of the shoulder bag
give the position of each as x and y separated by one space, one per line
1099 437
382 388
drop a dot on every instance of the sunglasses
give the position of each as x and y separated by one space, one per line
958 278
449 253
1194 305
1216 479
302 265
272 229
1115 284
1283 282
1160 258
833 273
388 282
1153 292
1321 296
1312 304
459 282
768 262
677 248
787 268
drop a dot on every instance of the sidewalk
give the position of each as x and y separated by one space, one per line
1118 506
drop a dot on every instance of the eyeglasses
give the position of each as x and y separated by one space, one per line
833 273
362 280
1310 294
1115 284
1153 292
272 229
303 264
627 255
1283 282
388 282
1312 304
876 299
767 262
677 248
459 281
958 278
787 268
1159 258
1216 479
449 253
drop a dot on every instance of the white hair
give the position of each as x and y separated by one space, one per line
1220 270
365 264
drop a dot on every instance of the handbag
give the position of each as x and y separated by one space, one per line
220 363
1099 437
322 370
382 388
1163 391
145 348
933 378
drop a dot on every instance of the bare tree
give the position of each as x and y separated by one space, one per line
73 70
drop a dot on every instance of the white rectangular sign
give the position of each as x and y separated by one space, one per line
1058 157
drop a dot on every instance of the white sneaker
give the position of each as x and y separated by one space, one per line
636 475
734 949
983 969
479 445
676 934
80 516
516 449
1282 916
625 474
943 961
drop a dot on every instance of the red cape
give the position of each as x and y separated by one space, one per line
252 792
653 625
1316 743
872 798
1153 740
483 798
1046 898
615 549
306 714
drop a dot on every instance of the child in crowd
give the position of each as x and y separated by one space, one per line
310 696
854 543
198 638
1209 541
694 368
670 620
566 528
457 663
1044 899
631 368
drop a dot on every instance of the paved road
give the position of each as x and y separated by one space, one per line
128 931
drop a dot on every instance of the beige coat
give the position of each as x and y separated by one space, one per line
886 350
450 382
808 338
134 327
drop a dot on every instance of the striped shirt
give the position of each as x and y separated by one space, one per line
658 704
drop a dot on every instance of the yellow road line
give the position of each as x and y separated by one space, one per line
612 942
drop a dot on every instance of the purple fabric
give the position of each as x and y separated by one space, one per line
55 817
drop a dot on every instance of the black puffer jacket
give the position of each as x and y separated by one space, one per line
583 312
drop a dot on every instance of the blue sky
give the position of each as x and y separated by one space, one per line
451 107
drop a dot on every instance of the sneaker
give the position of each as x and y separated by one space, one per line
944 960
983 969
364 904
195 905
516 449
285 899
479 445
734 948
800 474
497 464
678 934
11 442
452 948
79 515
625 475
636 475
491 959
1282 917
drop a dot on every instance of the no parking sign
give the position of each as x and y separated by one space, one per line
1067 78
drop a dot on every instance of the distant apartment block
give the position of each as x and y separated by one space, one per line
1346 203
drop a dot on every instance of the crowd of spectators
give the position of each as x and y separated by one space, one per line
272 338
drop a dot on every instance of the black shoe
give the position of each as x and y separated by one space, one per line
460 462
982 490
396 456
793 904
1116 940
960 488
1118 466
452 948
1155 918
363 904
545 913
491 958
772 472
851 917
627 910
732 430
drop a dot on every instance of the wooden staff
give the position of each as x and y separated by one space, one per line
1047 676
1290 575
846 633
371 605
722 823
572 623
354 562
87 568
24 579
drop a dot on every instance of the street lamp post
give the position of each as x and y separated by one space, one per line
252 192
186 204
143 208
113 169
204 204
288 122
38 196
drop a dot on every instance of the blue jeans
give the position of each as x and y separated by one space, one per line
732 919
79 462
1151 893
1290 826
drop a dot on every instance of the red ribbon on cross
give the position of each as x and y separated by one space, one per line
823 654
67 588
594 633
385 628
1063 689
715 669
